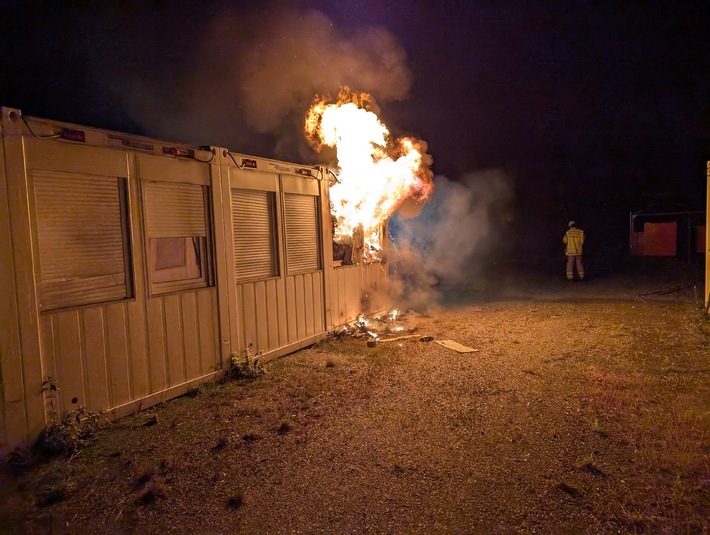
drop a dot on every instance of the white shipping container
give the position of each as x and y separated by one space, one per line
133 268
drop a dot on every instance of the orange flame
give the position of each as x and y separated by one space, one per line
375 172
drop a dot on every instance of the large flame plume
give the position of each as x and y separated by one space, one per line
375 173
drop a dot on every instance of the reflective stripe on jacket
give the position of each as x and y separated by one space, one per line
574 239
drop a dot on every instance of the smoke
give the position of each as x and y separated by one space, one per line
255 74
457 235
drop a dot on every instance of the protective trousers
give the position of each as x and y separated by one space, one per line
575 260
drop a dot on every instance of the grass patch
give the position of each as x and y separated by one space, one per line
150 494
665 488
247 367
251 435
283 428
74 432
54 490
236 498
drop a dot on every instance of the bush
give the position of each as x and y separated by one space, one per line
73 433
245 368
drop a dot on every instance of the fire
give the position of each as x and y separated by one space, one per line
375 172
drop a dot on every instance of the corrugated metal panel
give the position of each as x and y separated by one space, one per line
174 340
118 354
81 250
301 220
98 387
260 308
90 357
138 359
305 306
70 365
253 225
347 286
207 321
157 363
174 210
190 334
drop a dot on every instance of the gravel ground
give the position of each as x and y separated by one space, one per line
584 408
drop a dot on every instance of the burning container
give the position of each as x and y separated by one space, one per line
133 268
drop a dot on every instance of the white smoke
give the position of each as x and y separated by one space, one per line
256 73
458 233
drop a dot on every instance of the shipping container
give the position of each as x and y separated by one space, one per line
134 269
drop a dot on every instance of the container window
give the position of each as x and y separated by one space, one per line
301 221
254 232
83 240
179 248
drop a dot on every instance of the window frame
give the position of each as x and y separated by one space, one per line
206 246
75 295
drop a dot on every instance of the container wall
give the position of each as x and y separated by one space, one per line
357 289
132 269
90 319
275 256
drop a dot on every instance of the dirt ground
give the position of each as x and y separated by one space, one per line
584 409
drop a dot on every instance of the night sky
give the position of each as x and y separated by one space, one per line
590 109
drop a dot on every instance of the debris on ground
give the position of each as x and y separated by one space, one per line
389 327
396 338
460 348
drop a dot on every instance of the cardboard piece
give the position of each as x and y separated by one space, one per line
456 346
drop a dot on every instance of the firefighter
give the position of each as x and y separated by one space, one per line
574 240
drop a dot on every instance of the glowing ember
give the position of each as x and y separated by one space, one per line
375 172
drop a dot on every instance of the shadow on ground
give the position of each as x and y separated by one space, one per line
635 278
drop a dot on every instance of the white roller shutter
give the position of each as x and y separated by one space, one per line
301 219
83 255
254 231
174 210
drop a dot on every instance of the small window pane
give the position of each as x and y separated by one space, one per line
176 259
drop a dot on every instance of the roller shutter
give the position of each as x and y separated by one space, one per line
174 210
82 239
301 219
253 225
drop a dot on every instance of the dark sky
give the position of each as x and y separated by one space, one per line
592 109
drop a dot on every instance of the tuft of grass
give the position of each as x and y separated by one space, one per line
217 389
50 495
236 498
195 391
143 479
150 494
221 444
76 431
53 491
248 368
284 427
251 436
20 460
